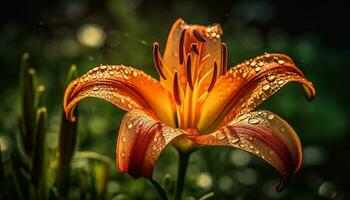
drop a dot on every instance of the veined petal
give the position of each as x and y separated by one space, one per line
125 87
263 134
247 85
142 138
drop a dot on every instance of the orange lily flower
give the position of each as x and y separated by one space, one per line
196 102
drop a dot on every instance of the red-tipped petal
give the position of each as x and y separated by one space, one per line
263 134
142 138
125 87
246 86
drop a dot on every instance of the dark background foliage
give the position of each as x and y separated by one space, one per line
314 33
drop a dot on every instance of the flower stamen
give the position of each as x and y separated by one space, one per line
176 91
181 47
198 36
213 79
223 58
188 71
157 61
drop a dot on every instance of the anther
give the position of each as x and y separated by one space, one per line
181 47
157 61
189 71
213 79
223 58
176 91
198 36
194 49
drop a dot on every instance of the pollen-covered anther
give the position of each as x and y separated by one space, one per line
223 58
189 71
176 91
198 36
157 61
214 77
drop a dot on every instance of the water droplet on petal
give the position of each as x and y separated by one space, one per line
270 152
233 140
271 78
253 120
123 139
123 155
253 63
242 145
134 73
220 135
257 69
251 147
129 125
280 62
270 116
266 87
95 88
280 82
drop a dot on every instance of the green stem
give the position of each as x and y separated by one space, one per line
159 189
183 162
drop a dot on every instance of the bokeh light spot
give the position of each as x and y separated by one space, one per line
91 35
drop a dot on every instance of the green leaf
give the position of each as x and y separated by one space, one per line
28 108
40 96
67 144
38 172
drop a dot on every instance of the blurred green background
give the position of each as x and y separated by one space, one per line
88 33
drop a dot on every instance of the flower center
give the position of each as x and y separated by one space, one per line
191 80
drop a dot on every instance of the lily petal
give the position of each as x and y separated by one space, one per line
142 138
247 85
263 134
125 87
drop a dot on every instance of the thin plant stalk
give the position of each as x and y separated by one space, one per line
183 162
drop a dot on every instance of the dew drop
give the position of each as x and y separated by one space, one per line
233 140
103 67
253 63
270 152
261 63
282 129
75 82
257 69
129 125
270 116
134 73
253 120
123 139
280 62
123 155
266 87
257 151
251 147
95 88
242 145
280 82
267 55
220 135
271 78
